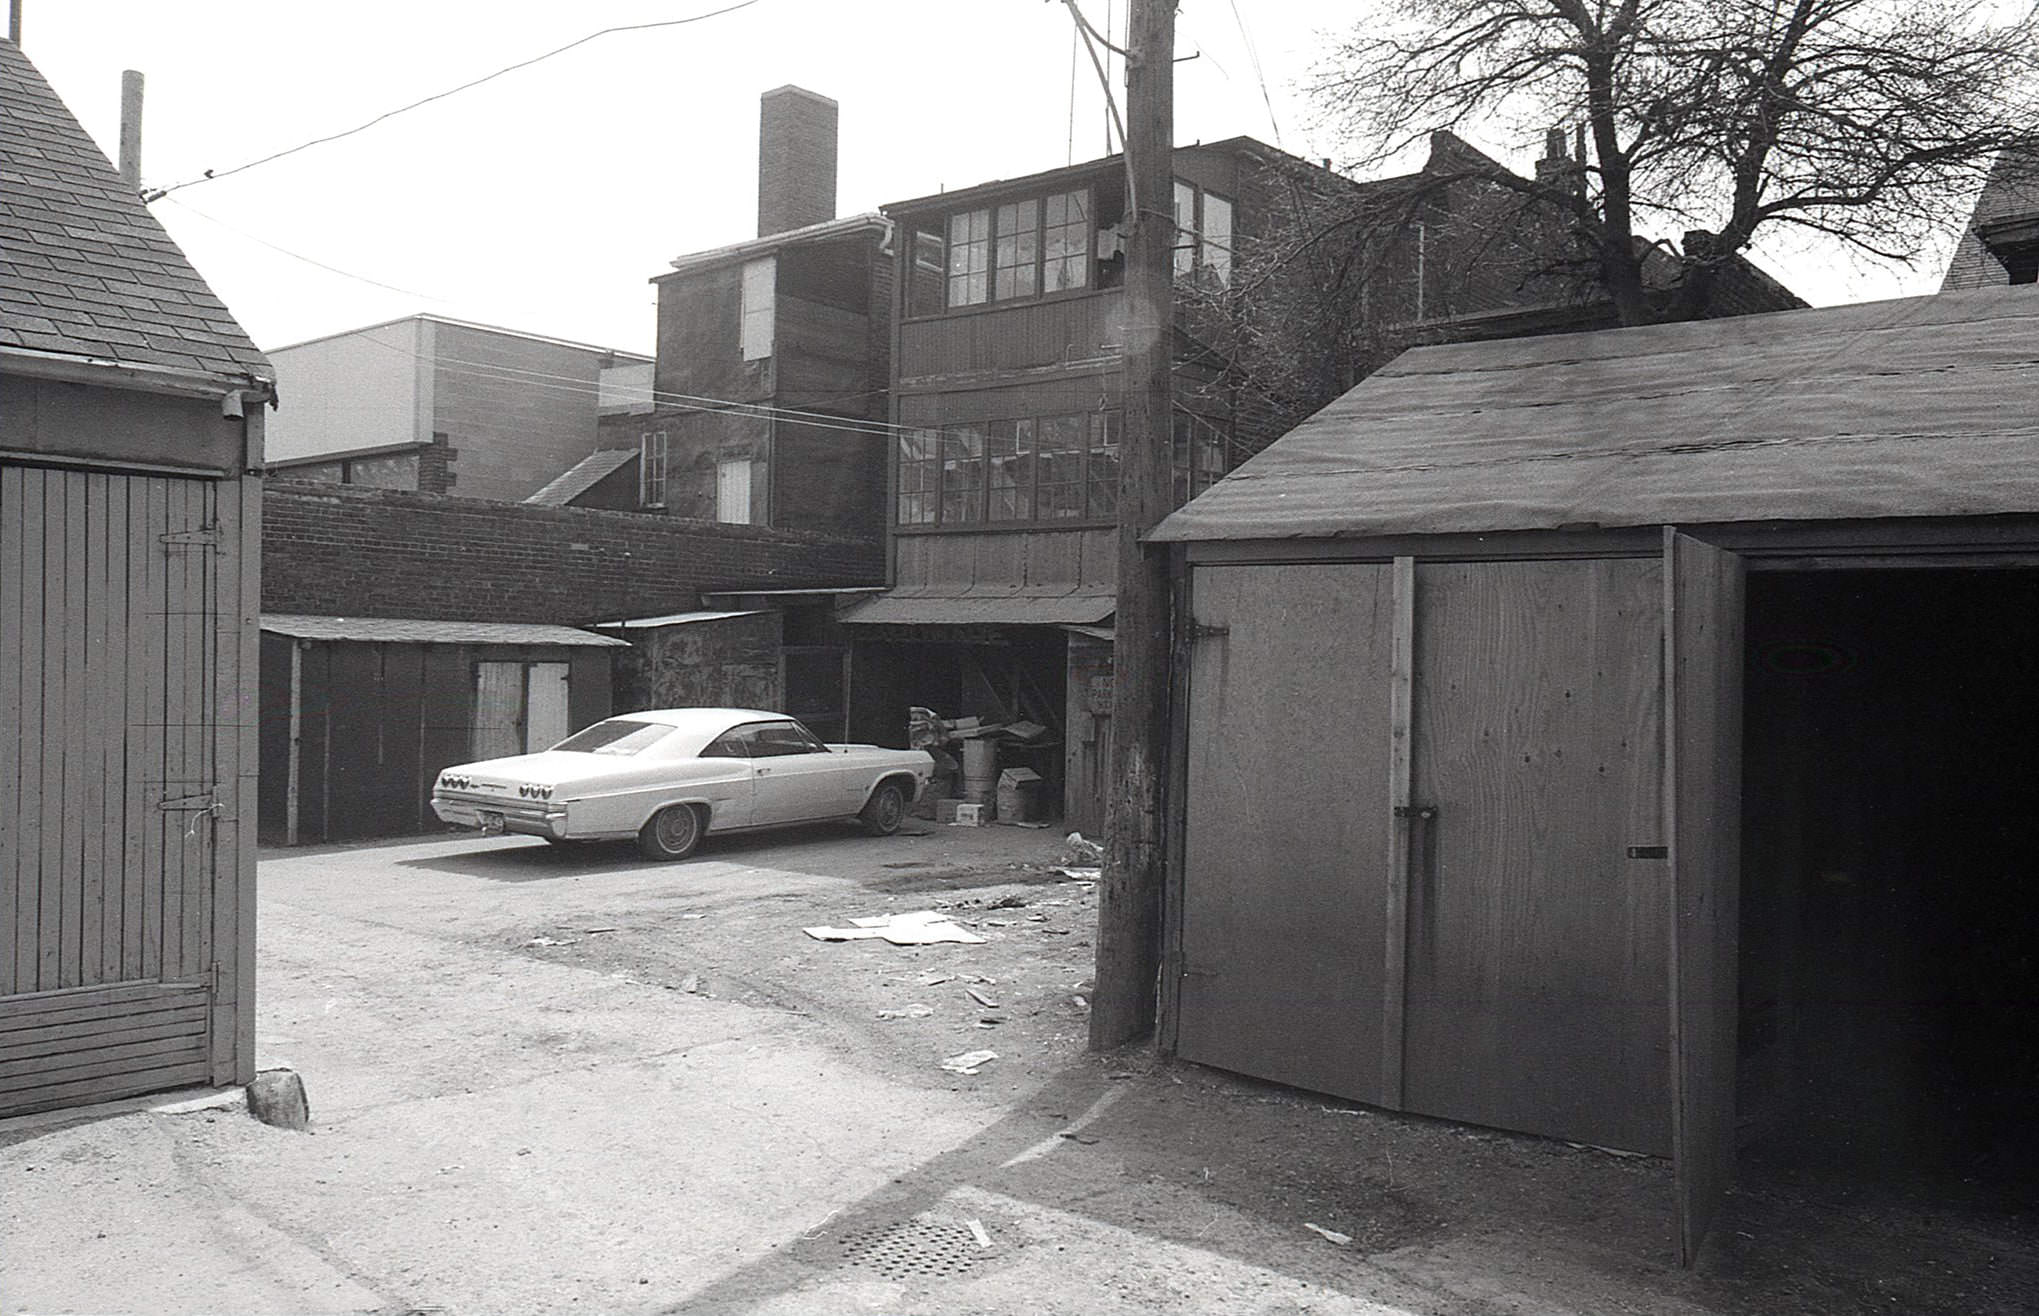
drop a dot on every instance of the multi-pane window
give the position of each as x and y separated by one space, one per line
760 285
1018 250
1203 235
1103 464
1066 263
920 472
651 469
1038 470
969 257
1196 457
1007 252
962 474
1012 470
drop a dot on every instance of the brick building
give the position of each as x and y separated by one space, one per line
772 359
445 406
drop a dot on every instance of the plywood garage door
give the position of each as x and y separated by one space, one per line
1287 842
111 778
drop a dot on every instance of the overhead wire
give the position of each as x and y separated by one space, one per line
300 256
210 175
1253 57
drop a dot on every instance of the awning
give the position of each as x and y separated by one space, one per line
982 608
403 630
675 619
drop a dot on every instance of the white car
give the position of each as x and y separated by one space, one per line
670 776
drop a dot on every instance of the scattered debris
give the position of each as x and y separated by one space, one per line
1081 874
550 941
981 998
1082 1004
693 916
1032 824
691 983
1082 850
1084 1139
977 1232
969 1062
980 978
1609 1151
592 931
936 979
1014 901
1329 1235
921 928
907 1012
1121 1073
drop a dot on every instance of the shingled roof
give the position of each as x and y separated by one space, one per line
85 269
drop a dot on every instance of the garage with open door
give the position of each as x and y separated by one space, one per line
1638 712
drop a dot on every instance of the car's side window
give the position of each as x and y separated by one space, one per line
730 745
776 739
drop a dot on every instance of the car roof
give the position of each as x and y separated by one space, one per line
703 721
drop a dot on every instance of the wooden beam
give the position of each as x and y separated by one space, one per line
1395 934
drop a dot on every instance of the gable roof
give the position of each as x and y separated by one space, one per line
1927 406
85 269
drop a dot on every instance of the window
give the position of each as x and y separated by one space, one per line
651 469
920 468
1012 470
1019 250
1059 492
1008 252
1197 455
760 287
1104 464
618 736
969 256
1203 235
962 474
733 505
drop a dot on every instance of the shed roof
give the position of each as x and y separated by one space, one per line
85 269
980 607
1926 406
582 476
407 630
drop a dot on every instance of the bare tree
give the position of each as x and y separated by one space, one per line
1867 121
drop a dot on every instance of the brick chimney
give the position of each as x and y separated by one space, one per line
1559 169
796 159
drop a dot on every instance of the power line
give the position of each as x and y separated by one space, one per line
211 174
294 255
1253 55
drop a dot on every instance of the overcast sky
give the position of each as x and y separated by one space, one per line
544 200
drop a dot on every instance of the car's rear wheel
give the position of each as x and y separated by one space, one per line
885 810
671 833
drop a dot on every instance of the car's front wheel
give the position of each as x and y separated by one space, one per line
671 833
885 810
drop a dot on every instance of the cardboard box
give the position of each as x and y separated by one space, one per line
971 815
1019 795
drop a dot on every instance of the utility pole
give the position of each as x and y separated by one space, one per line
1129 896
131 130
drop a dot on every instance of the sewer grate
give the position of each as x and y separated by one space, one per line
911 1249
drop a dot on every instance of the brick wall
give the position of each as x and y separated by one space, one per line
796 159
345 551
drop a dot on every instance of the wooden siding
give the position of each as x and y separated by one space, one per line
1033 560
123 702
377 723
967 346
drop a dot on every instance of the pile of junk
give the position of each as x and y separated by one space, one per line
979 777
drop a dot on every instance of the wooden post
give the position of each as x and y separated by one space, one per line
1129 897
131 129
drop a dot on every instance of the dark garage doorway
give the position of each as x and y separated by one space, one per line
1890 893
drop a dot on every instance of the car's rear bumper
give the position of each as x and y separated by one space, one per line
491 815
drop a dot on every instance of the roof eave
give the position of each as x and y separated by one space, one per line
139 377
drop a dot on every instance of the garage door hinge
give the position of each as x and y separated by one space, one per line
1199 631
205 536
203 802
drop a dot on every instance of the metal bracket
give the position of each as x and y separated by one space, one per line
1199 631
1426 812
205 536
1649 852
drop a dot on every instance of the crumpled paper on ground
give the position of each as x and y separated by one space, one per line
920 928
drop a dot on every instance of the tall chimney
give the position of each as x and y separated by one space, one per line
796 159
131 129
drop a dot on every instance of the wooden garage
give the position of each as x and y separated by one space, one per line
1478 663
129 534
361 714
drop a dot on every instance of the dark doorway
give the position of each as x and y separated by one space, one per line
1890 894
